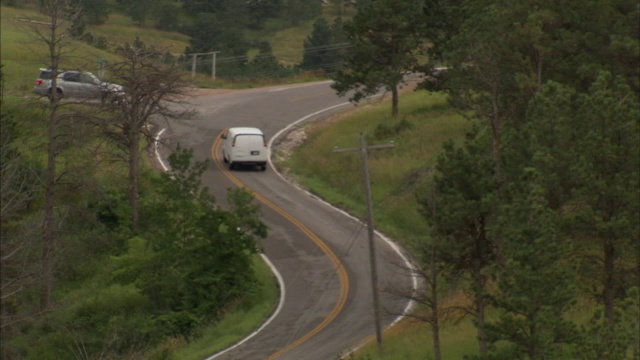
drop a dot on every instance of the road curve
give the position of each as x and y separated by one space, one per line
320 253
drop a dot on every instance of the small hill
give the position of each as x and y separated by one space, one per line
23 53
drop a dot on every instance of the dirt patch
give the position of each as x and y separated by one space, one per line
291 140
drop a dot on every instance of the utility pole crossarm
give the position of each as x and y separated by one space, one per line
194 57
370 147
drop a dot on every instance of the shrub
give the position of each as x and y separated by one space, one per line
101 42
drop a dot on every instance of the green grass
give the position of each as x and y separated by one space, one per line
121 29
412 339
287 41
396 174
239 322
23 54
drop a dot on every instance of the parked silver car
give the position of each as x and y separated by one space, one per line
77 84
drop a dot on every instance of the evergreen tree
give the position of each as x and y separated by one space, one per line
326 47
586 148
265 64
616 340
386 40
95 12
532 307
606 170
302 10
462 225
317 51
214 32
495 65
203 6
545 142
167 16
260 10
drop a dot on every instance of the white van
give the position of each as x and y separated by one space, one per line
244 146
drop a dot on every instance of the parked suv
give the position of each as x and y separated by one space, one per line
76 84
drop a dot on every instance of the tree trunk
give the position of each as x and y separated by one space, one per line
134 164
480 310
533 341
478 279
394 101
609 280
435 324
496 145
48 222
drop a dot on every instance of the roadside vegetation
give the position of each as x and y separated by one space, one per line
102 285
103 276
523 219
514 180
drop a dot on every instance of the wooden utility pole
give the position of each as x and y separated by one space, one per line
194 60
213 65
372 249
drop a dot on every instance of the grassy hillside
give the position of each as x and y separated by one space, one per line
22 54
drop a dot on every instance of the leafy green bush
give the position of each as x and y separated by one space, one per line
111 321
385 131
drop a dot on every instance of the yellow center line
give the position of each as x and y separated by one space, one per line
342 273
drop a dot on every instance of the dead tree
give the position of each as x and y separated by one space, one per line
152 92
54 34
428 271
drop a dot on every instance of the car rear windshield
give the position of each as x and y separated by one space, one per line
46 75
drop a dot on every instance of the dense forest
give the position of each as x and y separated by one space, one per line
534 214
537 210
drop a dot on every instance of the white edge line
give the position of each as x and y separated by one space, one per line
410 305
268 321
274 270
414 281
295 86
158 157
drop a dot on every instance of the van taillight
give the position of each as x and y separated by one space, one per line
39 82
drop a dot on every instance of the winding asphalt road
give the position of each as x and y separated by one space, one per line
319 253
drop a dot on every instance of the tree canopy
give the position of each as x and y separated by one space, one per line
386 43
549 91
